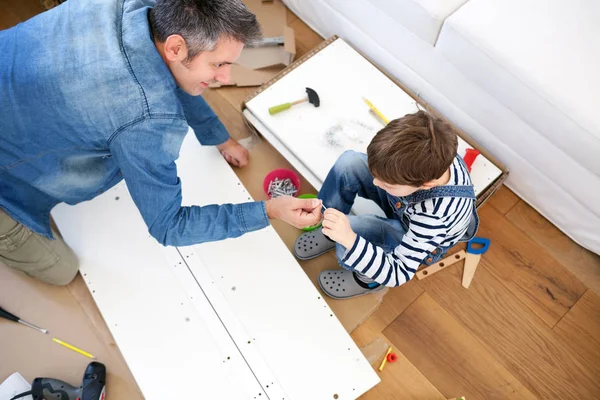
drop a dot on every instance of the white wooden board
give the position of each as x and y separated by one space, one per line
236 319
316 137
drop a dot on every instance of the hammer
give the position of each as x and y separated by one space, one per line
313 98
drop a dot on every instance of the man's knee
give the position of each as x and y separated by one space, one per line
60 274
50 261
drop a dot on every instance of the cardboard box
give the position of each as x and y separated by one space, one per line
258 65
70 314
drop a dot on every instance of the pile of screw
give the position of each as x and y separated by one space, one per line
283 187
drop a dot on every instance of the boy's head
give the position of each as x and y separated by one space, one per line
411 153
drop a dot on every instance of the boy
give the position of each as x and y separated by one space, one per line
413 172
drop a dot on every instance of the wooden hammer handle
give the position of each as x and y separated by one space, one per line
299 101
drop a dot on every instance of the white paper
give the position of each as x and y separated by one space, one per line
14 385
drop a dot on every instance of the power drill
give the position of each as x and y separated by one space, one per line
92 387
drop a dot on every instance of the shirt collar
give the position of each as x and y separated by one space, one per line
146 63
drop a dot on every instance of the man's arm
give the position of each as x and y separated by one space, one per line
206 125
209 130
146 153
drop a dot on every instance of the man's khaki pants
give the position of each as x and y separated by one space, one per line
50 261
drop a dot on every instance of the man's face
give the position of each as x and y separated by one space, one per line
395 190
207 67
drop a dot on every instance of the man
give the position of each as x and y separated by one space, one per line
95 91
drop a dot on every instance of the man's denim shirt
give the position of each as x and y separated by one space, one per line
85 101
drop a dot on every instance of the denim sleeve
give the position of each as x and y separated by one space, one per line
203 120
146 153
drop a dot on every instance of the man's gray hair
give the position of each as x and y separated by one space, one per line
202 23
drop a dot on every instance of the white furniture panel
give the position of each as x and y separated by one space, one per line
314 138
236 319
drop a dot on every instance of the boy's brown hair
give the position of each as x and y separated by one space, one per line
412 150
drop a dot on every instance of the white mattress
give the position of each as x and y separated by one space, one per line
540 58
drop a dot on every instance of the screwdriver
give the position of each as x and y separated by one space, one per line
12 317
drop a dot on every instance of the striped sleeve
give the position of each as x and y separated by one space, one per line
394 268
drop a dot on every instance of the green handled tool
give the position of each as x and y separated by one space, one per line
12 317
313 98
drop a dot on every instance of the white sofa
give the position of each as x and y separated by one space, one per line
521 77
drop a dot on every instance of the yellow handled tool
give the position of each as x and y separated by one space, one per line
313 98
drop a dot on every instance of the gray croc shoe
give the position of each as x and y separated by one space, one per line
341 284
312 244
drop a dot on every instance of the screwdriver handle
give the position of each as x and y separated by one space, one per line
7 315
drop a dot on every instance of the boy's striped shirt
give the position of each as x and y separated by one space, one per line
435 222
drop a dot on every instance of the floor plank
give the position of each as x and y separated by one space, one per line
395 378
530 273
236 95
290 16
306 38
393 304
453 359
581 262
402 381
580 331
15 11
512 333
504 199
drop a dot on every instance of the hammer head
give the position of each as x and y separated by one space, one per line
313 97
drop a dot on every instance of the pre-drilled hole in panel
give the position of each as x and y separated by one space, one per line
441 264
457 256
425 272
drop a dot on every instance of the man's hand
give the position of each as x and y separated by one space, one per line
234 153
297 212
336 226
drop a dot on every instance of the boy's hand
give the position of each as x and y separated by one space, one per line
336 226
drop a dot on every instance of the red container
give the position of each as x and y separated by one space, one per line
281 174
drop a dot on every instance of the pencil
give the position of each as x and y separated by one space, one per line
376 111
382 366
75 349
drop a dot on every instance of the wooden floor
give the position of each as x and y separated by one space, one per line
528 327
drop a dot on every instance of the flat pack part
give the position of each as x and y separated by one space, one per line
318 136
240 310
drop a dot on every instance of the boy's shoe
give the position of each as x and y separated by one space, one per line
312 244
342 284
